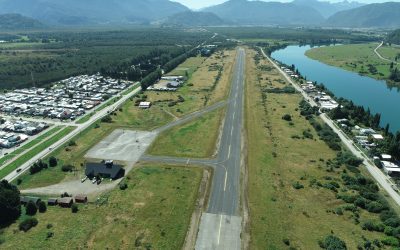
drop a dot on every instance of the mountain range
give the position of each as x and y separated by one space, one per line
233 12
383 15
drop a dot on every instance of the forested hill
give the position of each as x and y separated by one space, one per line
394 37
79 12
18 22
384 15
266 13
190 18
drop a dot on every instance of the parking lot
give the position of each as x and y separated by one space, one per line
122 145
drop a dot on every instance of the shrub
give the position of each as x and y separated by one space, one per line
286 242
298 185
372 226
106 119
123 186
72 143
74 208
31 208
42 207
49 235
391 241
332 242
67 168
375 207
53 161
28 224
287 117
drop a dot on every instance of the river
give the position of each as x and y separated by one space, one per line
365 91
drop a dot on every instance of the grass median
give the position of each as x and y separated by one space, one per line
34 151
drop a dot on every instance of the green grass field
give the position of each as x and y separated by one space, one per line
188 67
196 139
356 58
279 157
152 213
34 151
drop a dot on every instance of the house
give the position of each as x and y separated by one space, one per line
104 170
81 198
65 202
173 84
26 199
377 137
52 202
144 105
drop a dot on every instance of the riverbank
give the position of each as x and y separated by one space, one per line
359 58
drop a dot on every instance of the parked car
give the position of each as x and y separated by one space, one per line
94 180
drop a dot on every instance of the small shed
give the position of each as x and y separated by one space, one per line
81 198
52 202
65 202
26 199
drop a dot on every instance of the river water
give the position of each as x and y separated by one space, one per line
365 91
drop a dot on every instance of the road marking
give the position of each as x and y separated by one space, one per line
234 112
229 152
232 131
226 180
187 163
219 230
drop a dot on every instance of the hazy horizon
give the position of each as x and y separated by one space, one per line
195 4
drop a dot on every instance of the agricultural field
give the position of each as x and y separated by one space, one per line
196 139
359 58
300 191
153 212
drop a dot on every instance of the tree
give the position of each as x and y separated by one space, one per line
53 161
287 117
42 207
31 208
10 206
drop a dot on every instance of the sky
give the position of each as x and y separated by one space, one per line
198 4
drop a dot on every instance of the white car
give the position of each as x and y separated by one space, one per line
84 179
94 180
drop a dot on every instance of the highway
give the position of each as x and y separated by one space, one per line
382 179
79 128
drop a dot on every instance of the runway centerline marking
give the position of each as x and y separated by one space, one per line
229 152
226 179
219 231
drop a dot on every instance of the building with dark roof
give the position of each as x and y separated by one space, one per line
65 202
104 170
81 198
52 202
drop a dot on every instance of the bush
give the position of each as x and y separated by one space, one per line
332 242
67 168
123 186
298 185
375 207
287 117
42 207
31 208
106 119
28 224
391 241
71 143
74 208
10 206
53 161
372 226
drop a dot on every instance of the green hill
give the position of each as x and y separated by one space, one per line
394 37
18 22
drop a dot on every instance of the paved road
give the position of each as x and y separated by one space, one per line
79 128
382 179
380 56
